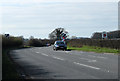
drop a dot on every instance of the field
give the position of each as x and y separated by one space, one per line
94 49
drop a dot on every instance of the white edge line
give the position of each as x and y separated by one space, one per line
92 61
44 54
87 66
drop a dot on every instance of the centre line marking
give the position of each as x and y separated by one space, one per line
84 58
101 57
92 61
44 54
37 52
58 58
91 56
87 65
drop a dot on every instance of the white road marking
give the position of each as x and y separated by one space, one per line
44 54
91 56
105 70
89 60
101 57
58 58
97 56
67 51
86 65
37 52
92 61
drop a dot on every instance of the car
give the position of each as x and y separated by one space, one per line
48 44
60 45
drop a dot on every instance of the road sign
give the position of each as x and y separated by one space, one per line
104 35
7 35
63 36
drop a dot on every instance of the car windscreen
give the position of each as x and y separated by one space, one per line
60 43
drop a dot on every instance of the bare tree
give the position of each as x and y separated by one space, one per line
73 37
31 37
57 33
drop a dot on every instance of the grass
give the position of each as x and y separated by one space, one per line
25 46
95 49
8 67
9 70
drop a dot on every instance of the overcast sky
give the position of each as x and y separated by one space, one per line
38 18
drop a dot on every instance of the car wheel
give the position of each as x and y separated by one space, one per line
65 49
53 48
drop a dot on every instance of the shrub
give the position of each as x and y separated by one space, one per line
11 41
35 42
39 42
115 44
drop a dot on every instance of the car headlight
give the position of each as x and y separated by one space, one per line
57 46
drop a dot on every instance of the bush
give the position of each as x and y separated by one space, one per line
11 41
35 42
115 44
39 42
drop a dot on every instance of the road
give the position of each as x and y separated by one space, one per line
1 71
44 63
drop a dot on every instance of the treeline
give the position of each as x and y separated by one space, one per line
115 44
39 42
12 41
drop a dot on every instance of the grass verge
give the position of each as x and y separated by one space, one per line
95 49
8 67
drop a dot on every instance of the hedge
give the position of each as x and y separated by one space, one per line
115 44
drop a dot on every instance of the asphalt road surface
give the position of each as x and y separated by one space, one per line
45 63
